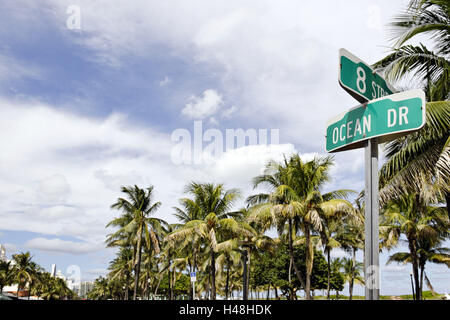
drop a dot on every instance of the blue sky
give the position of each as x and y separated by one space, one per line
88 110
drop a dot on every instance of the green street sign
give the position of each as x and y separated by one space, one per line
386 118
360 80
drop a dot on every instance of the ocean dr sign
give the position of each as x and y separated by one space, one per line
360 80
387 118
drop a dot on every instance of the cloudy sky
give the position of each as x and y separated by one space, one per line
90 105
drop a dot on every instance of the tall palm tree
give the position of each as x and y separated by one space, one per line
47 287
412 216
295 200
428 251
7 274
24 268
140 207
168 255
121 268
101 289
228 259
351 271
214 204
427 152
329 241
422 17
351 235
190 211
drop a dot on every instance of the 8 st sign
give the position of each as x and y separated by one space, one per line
360 80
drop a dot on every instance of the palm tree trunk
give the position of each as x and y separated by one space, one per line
291 254
249 258
276 292
309 262
138 263
329 272
290 271
127 280
413 252
213 275
352 277
227 285
429 284
157 286
144 292
169 275
422 268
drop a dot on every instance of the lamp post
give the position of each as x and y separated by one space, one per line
245 286
412 286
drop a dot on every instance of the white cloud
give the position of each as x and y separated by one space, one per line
63 246
60 171
277 60
53 189
229 112
213 121
13 69
204 106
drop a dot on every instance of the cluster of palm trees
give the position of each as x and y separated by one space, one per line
26 274
211 237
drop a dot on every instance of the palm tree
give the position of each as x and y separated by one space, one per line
351 271
7 274
121 268
422 17
101 290
140 206
412 216
351 234
24 269
214 204
295 199
47 287
329 241
169 256
427 152
228 259
35 272
428 251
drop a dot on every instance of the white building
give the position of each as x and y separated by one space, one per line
2 253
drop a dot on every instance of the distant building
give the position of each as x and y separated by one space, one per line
2 253
82 289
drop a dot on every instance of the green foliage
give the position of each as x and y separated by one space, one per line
273 269
182 285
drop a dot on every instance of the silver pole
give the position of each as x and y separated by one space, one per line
371 244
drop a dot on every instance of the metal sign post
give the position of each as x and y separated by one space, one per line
383 116
371 212
193 279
